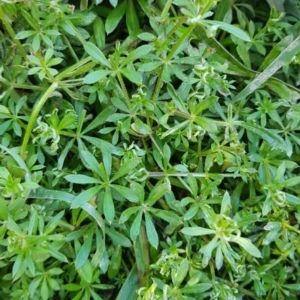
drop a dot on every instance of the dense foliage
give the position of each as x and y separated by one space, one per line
149 149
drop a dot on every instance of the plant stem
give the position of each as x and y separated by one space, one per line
184 36
166 8
199 175
33 117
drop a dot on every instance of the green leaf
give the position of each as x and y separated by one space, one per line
100 119
132 75
219 258
243 53
24 34
147 36
99 143
151 231
273 139
99 32
3 209
95 76
85 197
291 182
285 56
81 18
132 20
275 51
67 122
239 33
168 216
96 54
72 287
248 246
176 98
114 17
125 168
150 66
138 190
125 192
141 127
205 104
196 288
91 161
179 274
193 185
197 231
115 262
130 286
81 179
108 206
118 238
207 124
56 254
127 213
136 226
42 193
86 272
84 250
157 192
226 203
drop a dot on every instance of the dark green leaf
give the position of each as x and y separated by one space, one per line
108 206
85 196
151 231
96 54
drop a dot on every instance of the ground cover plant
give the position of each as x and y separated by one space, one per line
149 149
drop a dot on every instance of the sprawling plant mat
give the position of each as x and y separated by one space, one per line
149 149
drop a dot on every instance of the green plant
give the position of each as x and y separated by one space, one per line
149 150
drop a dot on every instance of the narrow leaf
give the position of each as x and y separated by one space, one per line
91 161
118 238
126 214
136 226
273 139
151 231
81 179
248 246
85 197
95 76
96 54
108 206
197 231
285 56
84 251
126 168
230 29
157 192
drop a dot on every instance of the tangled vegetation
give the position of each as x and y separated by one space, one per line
149 149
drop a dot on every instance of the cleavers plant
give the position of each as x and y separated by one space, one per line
149 149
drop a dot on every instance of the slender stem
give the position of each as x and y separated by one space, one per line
76 32
287 225
80 123
177 25
166 8
180 41
73 53
123 86
158 84
25 86
201 175
33 117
